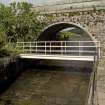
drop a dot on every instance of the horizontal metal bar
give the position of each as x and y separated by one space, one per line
61 46
57 41
60 51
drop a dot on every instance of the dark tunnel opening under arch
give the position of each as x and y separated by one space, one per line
50 32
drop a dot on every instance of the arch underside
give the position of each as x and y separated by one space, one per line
50 33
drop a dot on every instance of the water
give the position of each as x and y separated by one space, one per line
47 87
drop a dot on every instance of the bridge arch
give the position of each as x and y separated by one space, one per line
47 45
51 31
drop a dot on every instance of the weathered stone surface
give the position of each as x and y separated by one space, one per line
93 21
47 87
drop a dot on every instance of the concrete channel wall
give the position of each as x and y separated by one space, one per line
13 68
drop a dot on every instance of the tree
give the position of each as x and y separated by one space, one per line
18 23
2 39
27 26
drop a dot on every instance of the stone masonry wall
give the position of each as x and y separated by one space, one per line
93 21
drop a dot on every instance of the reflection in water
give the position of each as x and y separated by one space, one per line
47 87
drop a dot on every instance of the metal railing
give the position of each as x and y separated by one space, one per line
92 97
74 48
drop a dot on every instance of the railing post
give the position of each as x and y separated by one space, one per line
50 47
81 46
45 47
36 47
61 47
30 48
23 48
65 47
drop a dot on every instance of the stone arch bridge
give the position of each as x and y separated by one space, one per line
91 20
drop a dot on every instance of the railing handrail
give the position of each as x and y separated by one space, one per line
61 46
57 41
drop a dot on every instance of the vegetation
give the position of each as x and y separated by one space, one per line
66 35
17 23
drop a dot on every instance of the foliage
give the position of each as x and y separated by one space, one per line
2 39
18 23
65 35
